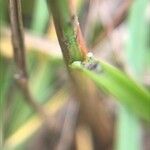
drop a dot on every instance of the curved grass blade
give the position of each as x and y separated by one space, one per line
127 91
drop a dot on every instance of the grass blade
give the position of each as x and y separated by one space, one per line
126 90
128 131
40 17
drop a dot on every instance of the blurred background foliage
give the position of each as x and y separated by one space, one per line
117 31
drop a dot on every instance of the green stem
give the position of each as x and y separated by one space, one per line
68 31
74 49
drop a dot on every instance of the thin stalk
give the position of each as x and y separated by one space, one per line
19 54
74 49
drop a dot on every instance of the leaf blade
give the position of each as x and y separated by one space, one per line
126 90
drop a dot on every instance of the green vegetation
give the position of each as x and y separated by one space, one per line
88 99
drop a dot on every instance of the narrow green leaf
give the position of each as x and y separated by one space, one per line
139 63
40 17
138 48
127 91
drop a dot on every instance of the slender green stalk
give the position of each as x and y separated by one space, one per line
126 90
68 31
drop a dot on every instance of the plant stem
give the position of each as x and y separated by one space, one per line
68 31
19 54
17 36
74 49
